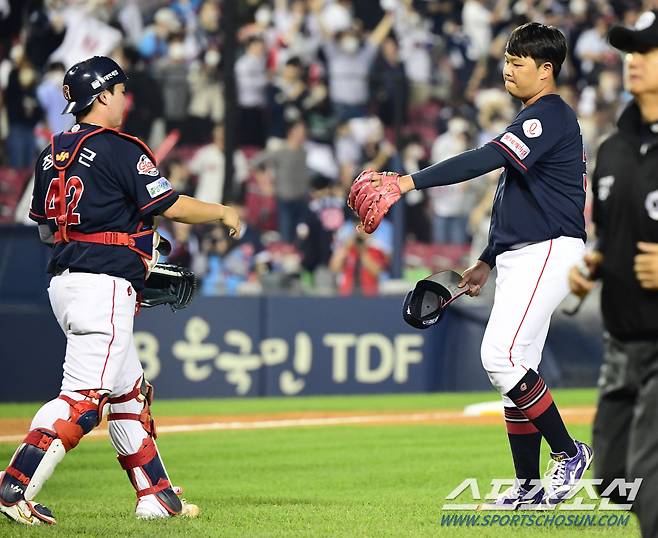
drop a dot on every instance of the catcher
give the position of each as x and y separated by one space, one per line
96 193
537 234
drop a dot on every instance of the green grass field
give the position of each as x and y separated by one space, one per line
313 481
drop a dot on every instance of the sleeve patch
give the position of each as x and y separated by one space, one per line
145 166
532 128
517 146
158 187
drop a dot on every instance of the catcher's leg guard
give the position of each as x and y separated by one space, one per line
132 432
44 447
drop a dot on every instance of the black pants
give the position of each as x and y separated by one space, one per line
626 424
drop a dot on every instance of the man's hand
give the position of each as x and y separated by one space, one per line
582 277
475 278
646 265
231 220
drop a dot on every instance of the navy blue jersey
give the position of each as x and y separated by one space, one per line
112 185
541 192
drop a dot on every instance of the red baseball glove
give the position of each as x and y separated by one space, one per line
371 196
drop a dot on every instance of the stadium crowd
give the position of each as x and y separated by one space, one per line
325 88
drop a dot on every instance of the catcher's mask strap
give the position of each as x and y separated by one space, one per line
424 305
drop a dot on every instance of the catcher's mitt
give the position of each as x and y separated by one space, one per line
169 284
371 202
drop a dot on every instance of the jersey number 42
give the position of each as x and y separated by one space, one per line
73 189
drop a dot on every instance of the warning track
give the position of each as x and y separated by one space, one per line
14 430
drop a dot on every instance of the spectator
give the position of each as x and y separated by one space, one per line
234 261
450 203
360 260
348 153
323 217
390 85
178 174
51 99
260 200
171 73
155 41
416 42
349 57
379 153
207 100
287 97
477 19
208 164
291 179
317 107
44 33
593 50
23 113
418 223
144 94
207 31
184 244
251 80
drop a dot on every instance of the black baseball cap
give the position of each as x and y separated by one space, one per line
641 38
425 304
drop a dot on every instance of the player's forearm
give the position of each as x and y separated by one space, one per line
462 167
192 211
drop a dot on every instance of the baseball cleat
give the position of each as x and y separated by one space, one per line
28 513
565 473
149 508
515 497
14 506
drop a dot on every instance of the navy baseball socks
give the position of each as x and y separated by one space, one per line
570 458
525 443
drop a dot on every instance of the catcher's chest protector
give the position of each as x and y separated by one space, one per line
65 148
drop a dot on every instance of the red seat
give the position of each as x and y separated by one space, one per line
12 186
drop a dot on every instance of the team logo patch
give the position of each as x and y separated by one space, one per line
67 92
145 166
517 146
159 186
75 128
532 128
62 156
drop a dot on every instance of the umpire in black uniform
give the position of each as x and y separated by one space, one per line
625 212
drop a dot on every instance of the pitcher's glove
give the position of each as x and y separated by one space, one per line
371 196
169 284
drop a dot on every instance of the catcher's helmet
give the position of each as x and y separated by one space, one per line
86 80
424 305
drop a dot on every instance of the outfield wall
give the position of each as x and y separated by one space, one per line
271 346
290 346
